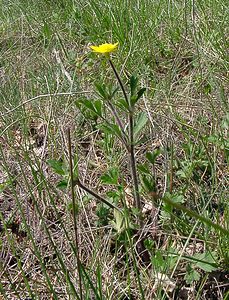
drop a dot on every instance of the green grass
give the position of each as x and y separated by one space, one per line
179 52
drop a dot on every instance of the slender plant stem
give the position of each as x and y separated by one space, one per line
119 122
171 170
119 81
131 142
74 213
133 162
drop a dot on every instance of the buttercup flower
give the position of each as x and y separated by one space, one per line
105 49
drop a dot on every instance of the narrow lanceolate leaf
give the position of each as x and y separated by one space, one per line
88 103
140 123
206 261
134 98
94 106
62 185
133 84
122 104
101 88
141 92
98 107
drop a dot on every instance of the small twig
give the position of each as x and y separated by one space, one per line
74 213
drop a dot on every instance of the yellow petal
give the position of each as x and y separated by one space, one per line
104 48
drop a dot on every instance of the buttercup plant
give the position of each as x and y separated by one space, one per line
69 224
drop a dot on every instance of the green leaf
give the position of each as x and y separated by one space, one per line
4 185
195 215
133 84
98 107
101 88
94 106
152 156
122 104
62 185
191 275
141 92
207 261
141 121
110 129
102 211
47 31
134 99
57 166
176 198
70 207
111 177
143 168
112 91
158 261
148 183
119 224
88 103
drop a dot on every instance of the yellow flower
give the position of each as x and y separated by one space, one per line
105 49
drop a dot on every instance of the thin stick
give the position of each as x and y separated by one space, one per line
74 213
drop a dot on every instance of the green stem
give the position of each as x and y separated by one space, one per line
131 141
119 81
119 122
133 163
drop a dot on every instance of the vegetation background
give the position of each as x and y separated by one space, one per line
51 81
